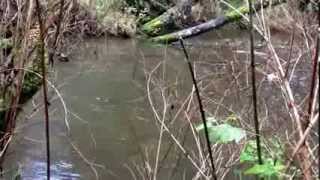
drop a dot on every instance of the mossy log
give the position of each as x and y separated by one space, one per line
174 17
230 16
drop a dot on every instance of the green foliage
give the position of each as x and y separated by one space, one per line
5 43
30 86
154 27
211 121
272 155
222 133
234 15
225 133
233 3
249 153
31 81
265 170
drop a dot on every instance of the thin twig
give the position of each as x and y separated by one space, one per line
157 116
314 76
88 162
253 83
290 53
160 135
44 83
302 139
201 109
55 45
318 34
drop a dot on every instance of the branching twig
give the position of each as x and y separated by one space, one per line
302 139
157 116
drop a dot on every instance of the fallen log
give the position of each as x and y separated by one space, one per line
176 15
230 16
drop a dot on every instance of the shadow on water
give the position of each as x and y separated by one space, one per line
104 88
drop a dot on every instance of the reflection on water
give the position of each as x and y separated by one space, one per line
60 171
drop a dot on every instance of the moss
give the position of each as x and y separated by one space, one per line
234 15
167 38
153 27
162 24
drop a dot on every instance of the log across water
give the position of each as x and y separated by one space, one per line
231 16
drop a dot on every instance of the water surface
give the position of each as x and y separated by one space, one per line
111 122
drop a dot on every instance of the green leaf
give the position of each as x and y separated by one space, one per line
249 153
272 155
210 121
222 133
225 133
265 170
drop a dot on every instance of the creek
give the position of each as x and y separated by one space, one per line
111 122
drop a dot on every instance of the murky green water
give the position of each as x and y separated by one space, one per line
104 89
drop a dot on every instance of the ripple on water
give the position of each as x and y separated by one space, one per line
60 171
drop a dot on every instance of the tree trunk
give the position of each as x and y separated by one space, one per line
193 31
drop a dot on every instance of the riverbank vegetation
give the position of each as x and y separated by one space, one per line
256 139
